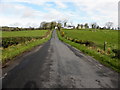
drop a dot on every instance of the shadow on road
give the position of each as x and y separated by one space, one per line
31 85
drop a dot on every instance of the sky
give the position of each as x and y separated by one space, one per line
26 13
119 14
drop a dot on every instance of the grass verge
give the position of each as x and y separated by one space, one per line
15 50
105 60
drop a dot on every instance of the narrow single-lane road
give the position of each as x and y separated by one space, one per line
58 65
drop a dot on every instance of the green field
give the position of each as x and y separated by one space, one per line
107 57
17 42
98 36
30 33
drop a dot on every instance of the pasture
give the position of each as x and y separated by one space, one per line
29 33
98 37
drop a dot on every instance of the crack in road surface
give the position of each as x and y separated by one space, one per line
57 65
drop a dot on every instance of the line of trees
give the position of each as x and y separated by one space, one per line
80 26
6 28
43 26
50 25
58 25
108 25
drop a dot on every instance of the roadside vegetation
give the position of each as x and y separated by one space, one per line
15 43
16 40
100 44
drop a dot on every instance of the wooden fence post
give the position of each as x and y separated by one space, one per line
105 45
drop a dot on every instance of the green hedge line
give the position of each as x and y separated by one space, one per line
8 41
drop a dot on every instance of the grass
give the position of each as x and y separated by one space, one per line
102 58
32 33
15 50
98 36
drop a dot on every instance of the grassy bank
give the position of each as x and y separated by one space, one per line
15 50
102 58
96 36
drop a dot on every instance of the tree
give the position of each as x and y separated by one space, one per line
59 25
78 26
94 25
104 27
86 25
42 25
118 28
65 23
81 25
98 27
48 25
52 25
109 25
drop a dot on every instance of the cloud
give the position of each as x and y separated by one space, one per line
100 11
28 13
12 14
119 14
15 24
60 4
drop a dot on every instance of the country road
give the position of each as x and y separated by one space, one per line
58 65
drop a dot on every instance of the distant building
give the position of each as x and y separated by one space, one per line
69 27
56 27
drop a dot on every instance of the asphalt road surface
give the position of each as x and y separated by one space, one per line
57 65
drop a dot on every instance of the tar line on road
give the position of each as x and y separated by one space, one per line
57 65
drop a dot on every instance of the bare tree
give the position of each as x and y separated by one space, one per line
109 25
65 23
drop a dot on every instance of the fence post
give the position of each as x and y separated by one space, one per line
105 45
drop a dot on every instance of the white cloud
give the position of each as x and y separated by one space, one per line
60 4
100 11
19 15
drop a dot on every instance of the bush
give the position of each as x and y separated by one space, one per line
117 53
62 34
89 43
8 41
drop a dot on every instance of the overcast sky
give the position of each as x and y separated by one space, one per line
25 13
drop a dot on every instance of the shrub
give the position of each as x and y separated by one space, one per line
117 53
8 41
108 51
72 40
98 50
75 40
62 34
102 52
89 43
